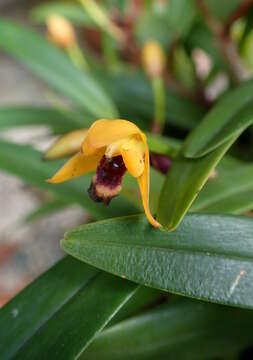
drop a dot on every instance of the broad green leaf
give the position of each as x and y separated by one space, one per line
232 114
27 164
54 67
57 120
71 329
183 183
189 330
29 310
231 192
73 12
209 257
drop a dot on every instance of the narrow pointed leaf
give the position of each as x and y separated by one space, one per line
231 192
232 114
207 257
183 183
70 330
29 310
58 121
54 67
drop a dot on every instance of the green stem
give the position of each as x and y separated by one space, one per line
77 57
159 103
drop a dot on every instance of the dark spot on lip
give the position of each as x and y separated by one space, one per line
106 184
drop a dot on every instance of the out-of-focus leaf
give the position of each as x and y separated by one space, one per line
132 94
183 183
58 121
29 310
27 164
73 12
152 24
46 209
51 64
232 114
222 9
189 330
181 14
208 257
71 329
231 192
183 68
201 37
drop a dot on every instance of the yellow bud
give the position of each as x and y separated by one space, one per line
60 31
153 59
66 145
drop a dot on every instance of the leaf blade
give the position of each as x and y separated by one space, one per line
208 257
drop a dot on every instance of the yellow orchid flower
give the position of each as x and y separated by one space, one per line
111 147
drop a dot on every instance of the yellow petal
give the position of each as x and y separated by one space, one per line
78 165
104 132
133 154
66 145
143 182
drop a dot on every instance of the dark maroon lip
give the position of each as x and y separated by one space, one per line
109 175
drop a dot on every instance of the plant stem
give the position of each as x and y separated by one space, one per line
77 57
159 104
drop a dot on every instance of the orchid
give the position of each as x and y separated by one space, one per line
111 147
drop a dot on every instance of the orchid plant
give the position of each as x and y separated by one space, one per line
158 151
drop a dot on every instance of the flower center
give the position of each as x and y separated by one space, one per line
106 183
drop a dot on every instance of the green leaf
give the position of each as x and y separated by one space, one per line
189 330
152 24
27 164
232 114
73 12
59 121
183 183
29 310
181 14
71 329
132 94
222 10
208 257
60 305
231 192
53 66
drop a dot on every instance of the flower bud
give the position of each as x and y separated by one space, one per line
60 31
66 145
153 59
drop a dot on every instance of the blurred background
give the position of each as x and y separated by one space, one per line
198 69
26 250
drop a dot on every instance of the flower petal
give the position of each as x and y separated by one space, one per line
143 182
104 132
66 145
78 165
133 155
